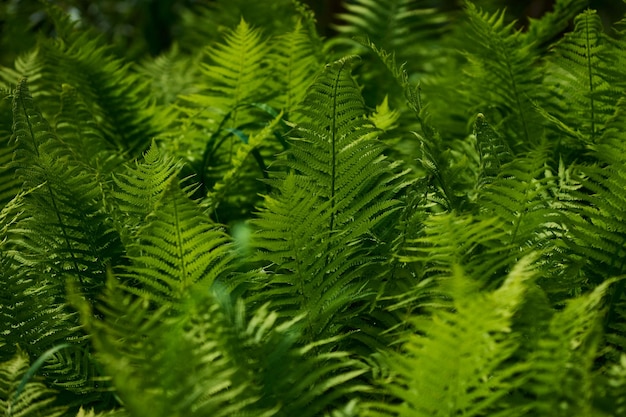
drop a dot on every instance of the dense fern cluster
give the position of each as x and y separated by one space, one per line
420 216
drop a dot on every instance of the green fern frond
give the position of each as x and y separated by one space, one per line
411 30
140 188
458 361
232 97
64 230
144 358
449 239
519 196
542 32
32 399
78 130
399 26
563 363
114 95
583 86
503 76
176 249
296 62
492 149
247 166
235 363
316 229
235 77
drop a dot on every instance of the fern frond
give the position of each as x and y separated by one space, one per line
144 358
235 363
504 75
296 62
315 230
247 166
583 86
32 399
232 97
176 249
492 149
78 131
236 76
542 32
448 239
563 362
64 230
114 95
458 361
140 188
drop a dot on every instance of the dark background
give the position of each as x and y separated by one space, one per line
141 27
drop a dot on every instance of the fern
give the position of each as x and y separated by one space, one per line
564 360
582 81
63 232
458 360
31 399
337 169
139 189
176 249
406 28
504 74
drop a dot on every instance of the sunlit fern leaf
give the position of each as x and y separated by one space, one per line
234 81
235 77
458 361
31 400
503 75
177 248
28 65
562 365
582 83
92 413
170 366
316 229
64 230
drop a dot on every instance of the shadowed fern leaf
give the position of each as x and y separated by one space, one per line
31 400
583 85
504 75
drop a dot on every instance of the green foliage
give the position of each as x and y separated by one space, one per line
425 220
